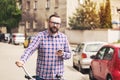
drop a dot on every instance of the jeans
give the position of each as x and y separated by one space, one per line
38 78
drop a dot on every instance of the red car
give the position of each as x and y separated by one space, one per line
106 63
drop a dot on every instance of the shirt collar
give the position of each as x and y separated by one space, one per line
54 36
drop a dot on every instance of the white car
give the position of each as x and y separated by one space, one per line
82 53
18 38
7 37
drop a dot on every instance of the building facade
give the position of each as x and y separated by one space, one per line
35 13
115 13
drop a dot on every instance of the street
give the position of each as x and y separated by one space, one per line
9 71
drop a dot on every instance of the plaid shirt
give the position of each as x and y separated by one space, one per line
48 63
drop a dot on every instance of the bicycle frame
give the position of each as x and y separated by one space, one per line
28 76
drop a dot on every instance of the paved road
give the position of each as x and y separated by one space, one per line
9 71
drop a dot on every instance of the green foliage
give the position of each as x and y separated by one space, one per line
10 15
118 41
85 17
105 15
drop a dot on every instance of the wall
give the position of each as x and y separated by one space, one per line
113 35
77 36
3 30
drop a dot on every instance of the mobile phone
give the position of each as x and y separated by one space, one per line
60 50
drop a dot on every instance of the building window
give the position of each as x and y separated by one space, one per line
48 4
56 3
28 5
34 24
27 24
35 5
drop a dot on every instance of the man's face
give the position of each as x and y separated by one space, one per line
54 24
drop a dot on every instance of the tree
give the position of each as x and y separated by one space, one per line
10 14
105 15
85 17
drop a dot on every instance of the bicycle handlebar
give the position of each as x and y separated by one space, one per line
28 76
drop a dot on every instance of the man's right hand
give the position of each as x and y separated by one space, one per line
19 63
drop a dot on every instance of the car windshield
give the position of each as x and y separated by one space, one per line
92 47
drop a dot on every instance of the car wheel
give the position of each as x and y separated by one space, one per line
109 78
91 76
74 65
80 68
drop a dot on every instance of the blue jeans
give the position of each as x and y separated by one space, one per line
38 78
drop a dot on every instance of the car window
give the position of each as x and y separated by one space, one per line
77 48
92 47
108 55
80 47
101 52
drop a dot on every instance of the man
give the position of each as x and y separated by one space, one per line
53 48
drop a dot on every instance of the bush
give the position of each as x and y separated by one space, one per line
118 41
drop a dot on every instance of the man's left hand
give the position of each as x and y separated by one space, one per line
59 53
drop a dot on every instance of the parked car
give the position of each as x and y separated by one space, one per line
17 38
7 37
106 63
27 41
81 56
2 37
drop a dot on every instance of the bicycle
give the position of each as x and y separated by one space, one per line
29 77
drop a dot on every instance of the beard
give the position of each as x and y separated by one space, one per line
53 30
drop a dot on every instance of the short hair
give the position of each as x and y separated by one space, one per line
54 15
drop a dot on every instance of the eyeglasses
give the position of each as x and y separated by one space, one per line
55 23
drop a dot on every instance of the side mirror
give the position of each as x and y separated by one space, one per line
93 57
74 50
